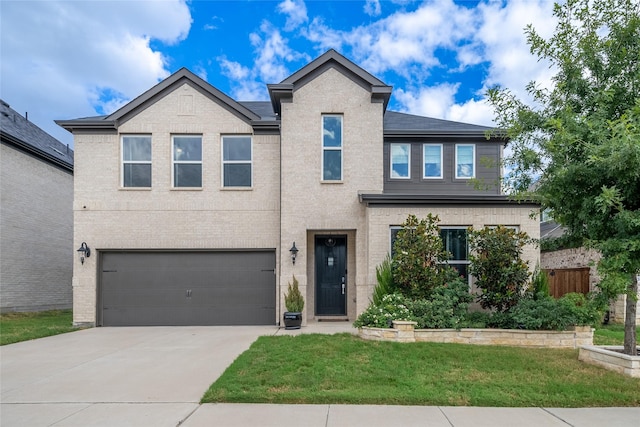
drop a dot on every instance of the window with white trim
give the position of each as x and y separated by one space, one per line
331 147
136 161
432 161
400 156
465 161
236 161
454 240
187 161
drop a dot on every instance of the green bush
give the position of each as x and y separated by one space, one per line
418 257
498 267
446 308
393 307
293 299
540 283
385 281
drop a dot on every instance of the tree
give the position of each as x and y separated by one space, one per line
497 265
580 140
419 257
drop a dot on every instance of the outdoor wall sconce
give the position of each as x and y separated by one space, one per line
84 251
294 252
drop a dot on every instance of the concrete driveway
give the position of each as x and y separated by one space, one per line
151 376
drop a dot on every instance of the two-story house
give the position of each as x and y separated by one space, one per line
36 221
191 202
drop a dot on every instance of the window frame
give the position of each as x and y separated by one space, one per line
424 153
452 262
391 145
473 164
236 162
339 148
175 162
124 162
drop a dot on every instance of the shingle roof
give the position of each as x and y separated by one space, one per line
403 123
19 131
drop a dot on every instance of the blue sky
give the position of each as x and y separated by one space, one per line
70 59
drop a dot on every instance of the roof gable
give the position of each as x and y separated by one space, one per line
380 92
168 85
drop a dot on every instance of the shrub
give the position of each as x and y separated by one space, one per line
293 299
498 267
418 257
446 308
385 281
539 283
392 307
547 313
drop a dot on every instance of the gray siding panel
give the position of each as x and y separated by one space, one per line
187 288
487 170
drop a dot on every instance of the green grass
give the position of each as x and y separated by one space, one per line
612 334
16 327
345 369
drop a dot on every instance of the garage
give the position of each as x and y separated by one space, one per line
187 288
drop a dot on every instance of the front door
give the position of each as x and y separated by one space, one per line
331 275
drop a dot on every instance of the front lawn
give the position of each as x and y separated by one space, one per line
347 370
16 327
612 334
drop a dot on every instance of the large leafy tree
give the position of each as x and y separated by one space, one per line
579 141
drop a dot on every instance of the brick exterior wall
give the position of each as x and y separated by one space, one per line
109 217
310 206
36 225
380 219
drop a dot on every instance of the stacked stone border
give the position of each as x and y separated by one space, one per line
404 331
611 358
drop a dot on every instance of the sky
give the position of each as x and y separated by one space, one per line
72 59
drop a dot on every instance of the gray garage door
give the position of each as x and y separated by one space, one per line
187 288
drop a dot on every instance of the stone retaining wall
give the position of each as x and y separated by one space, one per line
611 358
404 331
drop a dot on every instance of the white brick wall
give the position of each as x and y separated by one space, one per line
110 217
310 206
36 228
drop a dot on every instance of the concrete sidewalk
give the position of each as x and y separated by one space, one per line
155 376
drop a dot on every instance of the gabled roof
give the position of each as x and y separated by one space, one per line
177 79
380 92
19 132
401 124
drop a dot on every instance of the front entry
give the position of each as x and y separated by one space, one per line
331 275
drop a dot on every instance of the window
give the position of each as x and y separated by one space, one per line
187 161
432 161
236 161
394 229
400 161
136 161
465 161
331 148
455 242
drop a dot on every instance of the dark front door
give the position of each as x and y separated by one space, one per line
331 275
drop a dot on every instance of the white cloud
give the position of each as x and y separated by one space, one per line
372 7
76 52
296 11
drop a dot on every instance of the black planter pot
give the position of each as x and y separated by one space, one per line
292 320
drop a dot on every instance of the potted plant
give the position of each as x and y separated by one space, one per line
294 302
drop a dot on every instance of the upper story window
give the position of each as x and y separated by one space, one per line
432 161
136 161
465 161
400 161
187 160
331 147
236 161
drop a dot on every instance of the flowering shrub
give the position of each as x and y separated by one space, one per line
392 307
445 308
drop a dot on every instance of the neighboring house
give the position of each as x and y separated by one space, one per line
191 201
575 270
36 216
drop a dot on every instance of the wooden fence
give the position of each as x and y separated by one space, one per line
565 280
